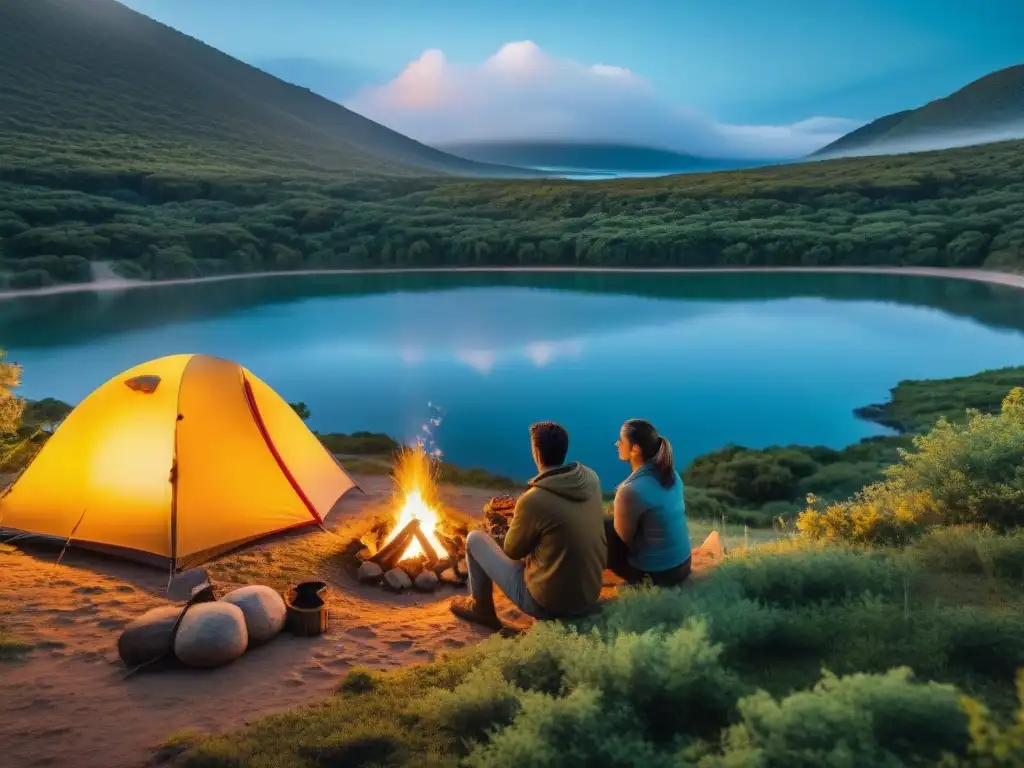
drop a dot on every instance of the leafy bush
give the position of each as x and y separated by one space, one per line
576 731
975 471
30 278
11 406
878 720
527 697
972 550
966 473
876 515
359 443
993 745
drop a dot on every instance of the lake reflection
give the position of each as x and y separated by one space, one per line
745 358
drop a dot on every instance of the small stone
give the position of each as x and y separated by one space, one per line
369 573
181 587
449 576
463 568
263 609
148 637
396 580
427 581
211 634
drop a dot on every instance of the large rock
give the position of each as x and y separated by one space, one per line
148 637
263 609
211 634
397 580
369 573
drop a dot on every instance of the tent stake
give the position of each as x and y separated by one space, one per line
68 542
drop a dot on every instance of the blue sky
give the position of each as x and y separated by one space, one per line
737 62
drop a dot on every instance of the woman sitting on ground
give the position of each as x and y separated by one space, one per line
648 536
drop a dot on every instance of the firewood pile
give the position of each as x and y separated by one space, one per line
498 516
372 561
377 558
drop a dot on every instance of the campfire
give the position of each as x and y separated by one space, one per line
417 516
418 546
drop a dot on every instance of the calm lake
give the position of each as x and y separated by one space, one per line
749 358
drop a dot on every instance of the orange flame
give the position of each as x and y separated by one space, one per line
414 476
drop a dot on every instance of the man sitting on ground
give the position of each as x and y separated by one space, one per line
555 550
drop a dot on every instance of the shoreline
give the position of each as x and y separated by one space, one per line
108 282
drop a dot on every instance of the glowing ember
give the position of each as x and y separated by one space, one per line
414 476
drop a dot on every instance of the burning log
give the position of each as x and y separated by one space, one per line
389 555
443 565
429 554
451 545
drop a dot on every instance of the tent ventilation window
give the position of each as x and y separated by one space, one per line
144 384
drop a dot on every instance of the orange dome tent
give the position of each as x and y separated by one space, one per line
174 461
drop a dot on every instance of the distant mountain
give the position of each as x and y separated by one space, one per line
583 157
989 109
85 81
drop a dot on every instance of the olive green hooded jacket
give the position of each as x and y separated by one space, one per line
558 528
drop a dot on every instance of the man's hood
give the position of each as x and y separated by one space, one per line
574 481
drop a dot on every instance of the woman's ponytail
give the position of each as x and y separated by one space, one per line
665 464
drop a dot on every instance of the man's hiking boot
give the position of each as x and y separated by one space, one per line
467 608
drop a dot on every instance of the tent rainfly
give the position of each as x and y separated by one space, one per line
175 461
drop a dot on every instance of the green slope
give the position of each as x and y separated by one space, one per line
91 83
991 105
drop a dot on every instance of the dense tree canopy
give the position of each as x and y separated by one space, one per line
957 208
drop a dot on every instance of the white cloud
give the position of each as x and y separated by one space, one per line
541 353
480 360
523 92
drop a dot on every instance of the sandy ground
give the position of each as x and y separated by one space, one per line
67 704
104 278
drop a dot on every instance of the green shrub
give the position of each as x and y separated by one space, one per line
858 720
657 687
360 443
957 473
878 514
358 680
30 278
972 550
973 471
992 744
577 731
129 270
480 705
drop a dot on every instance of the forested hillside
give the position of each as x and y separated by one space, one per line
956 208
94 84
